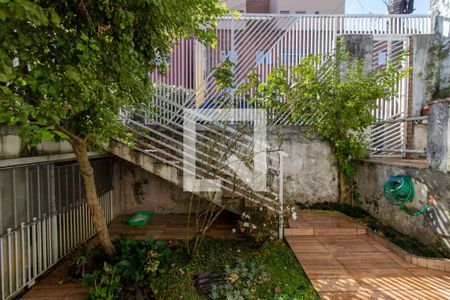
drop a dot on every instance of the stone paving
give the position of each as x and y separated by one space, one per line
343 262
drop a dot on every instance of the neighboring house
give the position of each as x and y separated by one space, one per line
190 61
288 6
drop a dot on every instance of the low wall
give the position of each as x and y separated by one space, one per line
12 146
310 176
432 227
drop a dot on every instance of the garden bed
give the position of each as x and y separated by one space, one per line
245 271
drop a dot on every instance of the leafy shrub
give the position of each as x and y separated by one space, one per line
260 225
240 281
136 263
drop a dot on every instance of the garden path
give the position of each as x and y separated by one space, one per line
344 262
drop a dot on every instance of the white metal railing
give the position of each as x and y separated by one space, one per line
165 143
260 43
33 246
384 139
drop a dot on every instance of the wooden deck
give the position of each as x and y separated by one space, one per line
339 258
343 262
164 226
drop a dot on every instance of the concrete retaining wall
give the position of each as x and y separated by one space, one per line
432 227
141 190
309 177
309 173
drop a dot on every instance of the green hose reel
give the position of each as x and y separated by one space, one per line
399 190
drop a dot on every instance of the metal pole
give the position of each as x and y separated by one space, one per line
2 270
281 196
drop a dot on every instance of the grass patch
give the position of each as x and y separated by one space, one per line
407 243
286 279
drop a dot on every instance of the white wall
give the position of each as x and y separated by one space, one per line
308 6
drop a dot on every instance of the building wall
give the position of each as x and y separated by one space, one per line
308 6
258 6
291 6
140 190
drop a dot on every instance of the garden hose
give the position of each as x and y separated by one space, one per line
399 190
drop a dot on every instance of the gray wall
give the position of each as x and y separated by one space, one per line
310 177
432 227
309 172
138 189
11 146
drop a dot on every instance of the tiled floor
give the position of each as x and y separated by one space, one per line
166 227
342 262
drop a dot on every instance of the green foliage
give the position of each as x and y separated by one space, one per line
67 67
259 225
337 95
136 264
240 281
285 278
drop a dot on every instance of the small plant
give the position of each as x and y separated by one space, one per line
260 225
240 281
136 263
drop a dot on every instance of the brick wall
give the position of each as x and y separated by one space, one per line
258 6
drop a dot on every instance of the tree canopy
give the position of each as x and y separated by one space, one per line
67 67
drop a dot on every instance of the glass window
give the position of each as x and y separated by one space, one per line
231 55
264 57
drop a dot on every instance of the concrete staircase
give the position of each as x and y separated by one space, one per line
159 164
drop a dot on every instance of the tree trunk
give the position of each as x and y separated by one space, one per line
98 218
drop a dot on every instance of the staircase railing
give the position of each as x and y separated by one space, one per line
258 43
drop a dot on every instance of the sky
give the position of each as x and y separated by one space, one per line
378 7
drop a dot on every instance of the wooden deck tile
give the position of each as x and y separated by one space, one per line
355 266
166 227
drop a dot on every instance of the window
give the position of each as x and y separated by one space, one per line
300 12
263 57
230 55
293 55
382 58
284 12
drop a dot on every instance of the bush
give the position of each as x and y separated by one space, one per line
136 263
260 225
240 281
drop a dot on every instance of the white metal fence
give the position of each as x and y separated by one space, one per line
260 43
44 216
